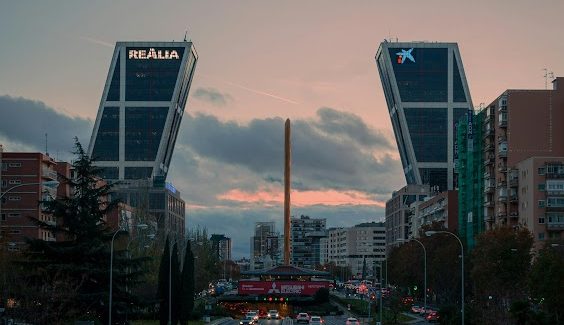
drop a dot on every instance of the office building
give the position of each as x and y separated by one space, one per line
426 92
141 109
540 197
354 246
518 125
305 234
399 212
221 246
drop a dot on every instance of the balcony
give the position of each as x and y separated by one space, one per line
502 149
489 147
502 194
554 225
502 185
502 122
514 214
501 138
489 160
488 132
489 186
488 202
513 198
502 168
48 174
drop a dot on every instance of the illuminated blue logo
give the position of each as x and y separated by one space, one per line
405 55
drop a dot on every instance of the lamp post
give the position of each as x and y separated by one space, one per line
433 232
111 275
425 270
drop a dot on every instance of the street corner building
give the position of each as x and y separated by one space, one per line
141 109
426 93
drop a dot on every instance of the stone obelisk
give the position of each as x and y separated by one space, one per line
287 170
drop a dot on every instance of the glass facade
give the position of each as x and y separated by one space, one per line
458 95
435 177
143 131
137 172
428 133
109 172
113 92
426 79
106 147
150 79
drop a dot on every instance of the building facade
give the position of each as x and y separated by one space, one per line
541 198
441 208
305 234
355 246
141 109
399 214
221 245
541 113
20 202
265 245
426 92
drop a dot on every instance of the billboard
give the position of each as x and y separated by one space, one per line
293 288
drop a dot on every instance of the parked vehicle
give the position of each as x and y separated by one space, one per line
315 320
415 309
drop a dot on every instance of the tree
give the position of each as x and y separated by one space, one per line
501 263
69 279
187 285
208 267
546 281
162 291
175 276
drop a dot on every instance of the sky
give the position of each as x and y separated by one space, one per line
261 62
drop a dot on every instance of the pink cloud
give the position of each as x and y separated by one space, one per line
302 198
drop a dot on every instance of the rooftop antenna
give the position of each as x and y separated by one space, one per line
547 74
185 34
46 151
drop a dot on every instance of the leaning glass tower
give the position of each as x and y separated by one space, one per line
426 93
141 109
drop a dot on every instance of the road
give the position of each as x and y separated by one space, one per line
329 320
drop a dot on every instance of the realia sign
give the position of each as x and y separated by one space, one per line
295 288
152 54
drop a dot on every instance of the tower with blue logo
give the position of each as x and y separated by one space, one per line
426 94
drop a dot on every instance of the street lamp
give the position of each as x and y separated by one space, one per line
140 226
111 274
433 232
425 268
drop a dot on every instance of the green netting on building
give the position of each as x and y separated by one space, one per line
470 173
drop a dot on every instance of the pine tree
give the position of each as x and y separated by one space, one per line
162 291
69 278
175 274
187 285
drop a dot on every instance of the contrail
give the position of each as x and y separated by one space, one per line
95 41
254 90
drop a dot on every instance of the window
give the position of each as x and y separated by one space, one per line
14 198
541 187
3 217
541 170
14 181
541 220
14 232
4 166
541 235
143 131
4 183
13 215
106 145
541 203
15 165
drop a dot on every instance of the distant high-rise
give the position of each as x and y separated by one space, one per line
141 108
426 92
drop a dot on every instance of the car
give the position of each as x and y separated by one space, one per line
248 320
253 314
273 313
315 320
415 309
432 316
302 318
352 321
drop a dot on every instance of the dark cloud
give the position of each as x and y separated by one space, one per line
26 121
320 157
212 96
336 150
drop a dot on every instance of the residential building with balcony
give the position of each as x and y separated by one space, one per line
354 246
518 125
21 202
441 208
306 234
540 197
399 214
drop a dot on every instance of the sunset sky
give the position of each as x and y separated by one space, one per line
261 62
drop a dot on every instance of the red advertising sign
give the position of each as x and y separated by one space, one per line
280 288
